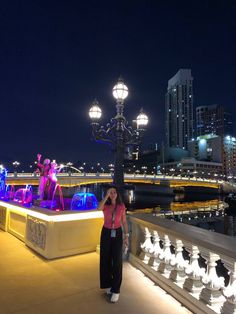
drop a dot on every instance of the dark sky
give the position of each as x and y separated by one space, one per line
57 56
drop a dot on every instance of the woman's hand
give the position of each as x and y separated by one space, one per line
126 242
103 201
108 194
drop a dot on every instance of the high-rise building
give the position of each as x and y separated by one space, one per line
230 156
179 109
213 119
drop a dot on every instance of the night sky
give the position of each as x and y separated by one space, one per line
57 56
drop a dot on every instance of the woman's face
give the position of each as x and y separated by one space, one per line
113 194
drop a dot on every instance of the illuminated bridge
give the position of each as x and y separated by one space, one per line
77 179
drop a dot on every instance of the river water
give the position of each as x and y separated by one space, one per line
207 211
136 201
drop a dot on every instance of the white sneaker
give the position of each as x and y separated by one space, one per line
115 297
108 291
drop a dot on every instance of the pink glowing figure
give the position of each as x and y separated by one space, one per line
61 199
44 172
52 180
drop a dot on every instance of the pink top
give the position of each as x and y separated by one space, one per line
107 212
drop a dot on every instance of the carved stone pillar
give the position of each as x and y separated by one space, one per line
179 263
146 246
229 292
211 294
193 283
165 257
155 251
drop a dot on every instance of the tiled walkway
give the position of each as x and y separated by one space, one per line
31 284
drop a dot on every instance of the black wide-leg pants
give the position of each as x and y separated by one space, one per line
111 260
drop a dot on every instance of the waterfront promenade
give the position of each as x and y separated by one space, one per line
32 285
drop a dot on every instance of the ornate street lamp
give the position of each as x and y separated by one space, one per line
117 132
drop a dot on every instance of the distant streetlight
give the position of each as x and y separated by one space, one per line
117 133
16 164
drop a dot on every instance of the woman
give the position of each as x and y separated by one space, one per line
111 244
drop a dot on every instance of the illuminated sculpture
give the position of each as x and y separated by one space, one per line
43 169
52 180
3 174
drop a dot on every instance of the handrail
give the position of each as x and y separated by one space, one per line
159 248
126 175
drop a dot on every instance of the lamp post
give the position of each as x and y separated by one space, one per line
15 165
117 132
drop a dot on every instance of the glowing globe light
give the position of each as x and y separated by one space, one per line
95 111
142 120
120 91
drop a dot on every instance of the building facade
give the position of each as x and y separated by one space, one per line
190 167
206 148
229 156
179 109
213 119
212 148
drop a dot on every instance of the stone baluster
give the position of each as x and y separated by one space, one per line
179 263
229 292
146 246
194 272
165 257
211 294
155 251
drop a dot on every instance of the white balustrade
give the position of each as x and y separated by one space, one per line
154 261
146 246
179 263
165 257
230 290
200 289
211 293
194 272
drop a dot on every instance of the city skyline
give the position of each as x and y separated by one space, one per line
57 58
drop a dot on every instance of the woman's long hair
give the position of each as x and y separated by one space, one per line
118 199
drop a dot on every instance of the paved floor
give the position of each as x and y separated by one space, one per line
31 284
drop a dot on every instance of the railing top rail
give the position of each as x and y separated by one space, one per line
126 175
216 242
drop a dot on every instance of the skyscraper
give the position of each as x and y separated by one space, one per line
213 119
179 109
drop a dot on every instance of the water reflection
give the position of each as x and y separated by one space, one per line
202 210
142 201
230 225
230 216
